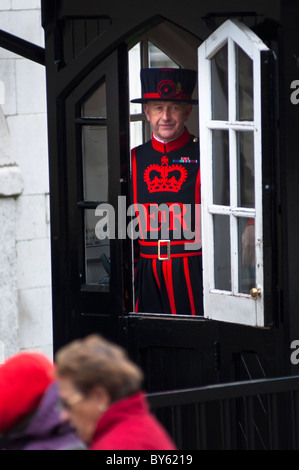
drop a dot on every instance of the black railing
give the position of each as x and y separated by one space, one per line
256 414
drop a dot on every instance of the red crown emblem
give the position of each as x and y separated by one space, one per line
164 178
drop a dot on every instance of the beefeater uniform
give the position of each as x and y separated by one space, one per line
166 197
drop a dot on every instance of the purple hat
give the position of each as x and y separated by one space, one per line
167 84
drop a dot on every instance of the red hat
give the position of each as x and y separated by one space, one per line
24 378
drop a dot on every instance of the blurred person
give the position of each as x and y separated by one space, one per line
30 418
100 390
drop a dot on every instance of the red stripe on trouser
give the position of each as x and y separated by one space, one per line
189 287
167 271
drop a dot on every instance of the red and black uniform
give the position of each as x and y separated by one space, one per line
166 196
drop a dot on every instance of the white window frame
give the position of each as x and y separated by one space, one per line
223 305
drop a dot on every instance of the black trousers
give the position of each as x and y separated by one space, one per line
170 286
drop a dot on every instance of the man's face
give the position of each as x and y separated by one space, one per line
167 118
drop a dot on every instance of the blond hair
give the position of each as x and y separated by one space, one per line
95 361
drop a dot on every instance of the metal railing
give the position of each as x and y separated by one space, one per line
256 414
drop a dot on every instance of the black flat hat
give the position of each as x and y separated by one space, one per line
167 84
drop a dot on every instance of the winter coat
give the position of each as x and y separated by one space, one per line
129 425
44 430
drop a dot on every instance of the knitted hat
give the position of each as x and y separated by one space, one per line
167 84
24 378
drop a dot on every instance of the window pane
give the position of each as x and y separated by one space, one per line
95 185
97 254
245 158
158 58
246 236
219 72
220 168
244 74
95 170
134 78
95 106
222 263
136 133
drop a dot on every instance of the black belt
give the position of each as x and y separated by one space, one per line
167 249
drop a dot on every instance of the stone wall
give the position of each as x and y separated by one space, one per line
24 115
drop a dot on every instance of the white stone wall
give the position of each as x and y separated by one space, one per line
25 112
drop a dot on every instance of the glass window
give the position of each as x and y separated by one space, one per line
136 133
246 255
219 77
244 75
95 189
95 166
157 58
222 258
95 105
231 164
97 254
134 82
245 162
220 167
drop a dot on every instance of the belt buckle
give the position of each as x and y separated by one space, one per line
167 256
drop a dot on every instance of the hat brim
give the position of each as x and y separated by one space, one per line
145 100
